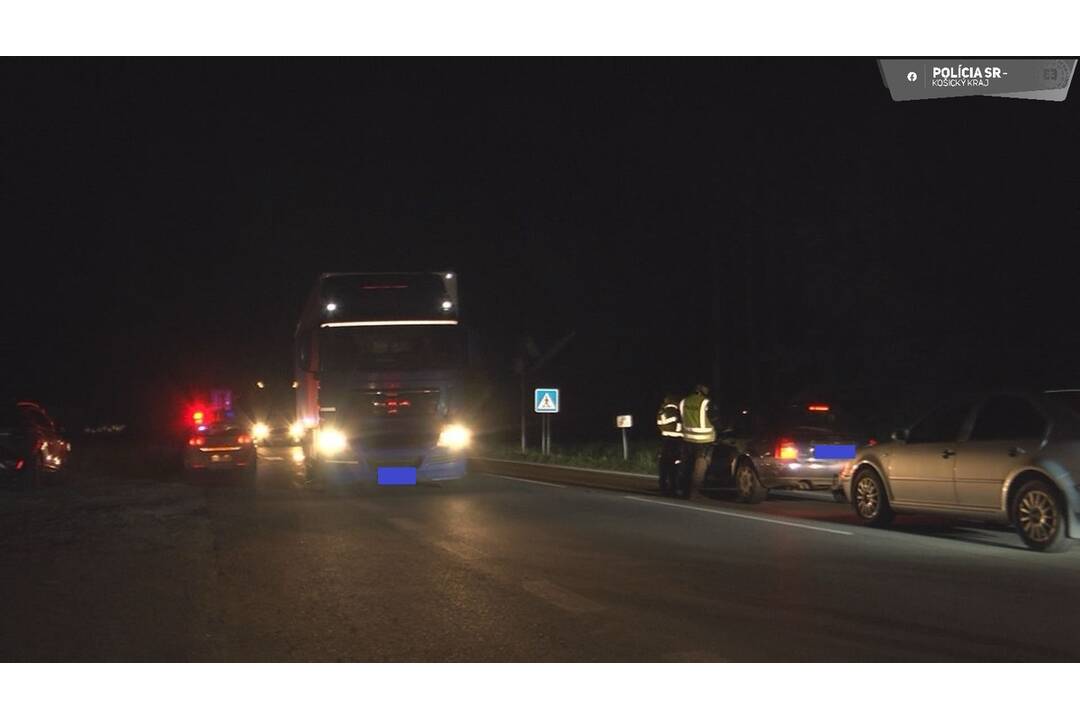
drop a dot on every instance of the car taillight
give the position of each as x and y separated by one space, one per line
818 408
786 450
19 464
196 440
244 439
871 442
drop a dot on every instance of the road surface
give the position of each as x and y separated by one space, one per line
493 568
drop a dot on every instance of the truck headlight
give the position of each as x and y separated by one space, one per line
455 437
260 431
331 441
296 431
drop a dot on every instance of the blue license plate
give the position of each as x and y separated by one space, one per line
397 475
834 452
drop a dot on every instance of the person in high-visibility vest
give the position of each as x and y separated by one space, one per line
699 437
669 423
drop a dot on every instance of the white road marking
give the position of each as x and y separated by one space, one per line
463 551
728 513
531 482
271 458
560 597
343 462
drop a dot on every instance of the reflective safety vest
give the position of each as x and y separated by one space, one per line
697 427
669 421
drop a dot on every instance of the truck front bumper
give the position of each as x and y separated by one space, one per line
430 464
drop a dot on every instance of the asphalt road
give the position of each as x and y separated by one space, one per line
492 568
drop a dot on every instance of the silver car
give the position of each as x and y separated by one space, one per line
1008 457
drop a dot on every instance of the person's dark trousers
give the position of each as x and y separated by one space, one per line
695 463
670 462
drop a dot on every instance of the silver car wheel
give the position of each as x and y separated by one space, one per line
1038 516
867 498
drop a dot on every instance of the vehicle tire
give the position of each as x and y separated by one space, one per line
1040 517
869 499
747 484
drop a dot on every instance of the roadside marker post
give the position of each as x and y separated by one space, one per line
623 422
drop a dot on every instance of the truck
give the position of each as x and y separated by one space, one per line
380 362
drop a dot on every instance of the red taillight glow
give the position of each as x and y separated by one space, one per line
244 439
196 440
818 408
197 417
19 464
786 450
871 442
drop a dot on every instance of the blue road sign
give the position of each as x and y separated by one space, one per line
546 400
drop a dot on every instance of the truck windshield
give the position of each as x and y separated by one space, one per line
391 348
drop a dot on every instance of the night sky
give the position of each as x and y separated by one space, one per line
163 221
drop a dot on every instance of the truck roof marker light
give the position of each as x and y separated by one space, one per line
818 408
387 323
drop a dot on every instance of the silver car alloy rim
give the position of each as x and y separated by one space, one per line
746 480
1038 516
866 495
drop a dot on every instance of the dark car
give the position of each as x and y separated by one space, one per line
30 444
221 445
799 446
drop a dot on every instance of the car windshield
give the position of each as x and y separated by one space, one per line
391 348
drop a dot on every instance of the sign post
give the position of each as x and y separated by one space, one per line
546 404
623 422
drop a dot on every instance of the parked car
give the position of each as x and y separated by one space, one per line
1005 457
220 445
799 446
30 443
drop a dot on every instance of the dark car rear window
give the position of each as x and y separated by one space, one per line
831 421
1069 398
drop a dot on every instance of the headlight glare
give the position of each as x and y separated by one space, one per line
455 437
296 430
331 441
260 431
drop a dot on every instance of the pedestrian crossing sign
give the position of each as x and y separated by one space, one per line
546 400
